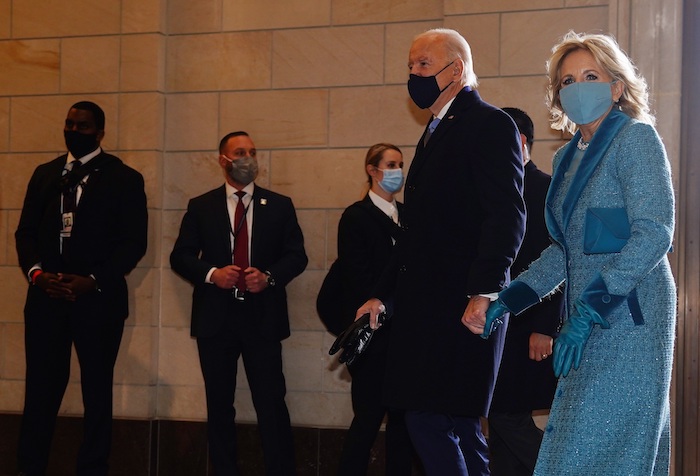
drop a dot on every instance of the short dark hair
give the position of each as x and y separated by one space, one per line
97 113
228 136
524 123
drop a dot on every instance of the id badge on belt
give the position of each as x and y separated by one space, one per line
67 220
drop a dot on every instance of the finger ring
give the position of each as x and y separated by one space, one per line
544 356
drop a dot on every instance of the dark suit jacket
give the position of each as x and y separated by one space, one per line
277 246
364 249
464 219
109 235
524 385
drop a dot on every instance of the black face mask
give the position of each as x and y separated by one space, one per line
424 90
80 144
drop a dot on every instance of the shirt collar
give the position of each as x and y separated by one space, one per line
389 208
248 189
444 109
84 159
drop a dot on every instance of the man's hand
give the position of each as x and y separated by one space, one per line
226 277
474 316
540 346
68 286
374 307
255 280
50 283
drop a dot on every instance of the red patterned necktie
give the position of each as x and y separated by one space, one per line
240 243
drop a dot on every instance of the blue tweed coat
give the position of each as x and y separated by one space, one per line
611 416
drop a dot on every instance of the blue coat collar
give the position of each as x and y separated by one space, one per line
600 143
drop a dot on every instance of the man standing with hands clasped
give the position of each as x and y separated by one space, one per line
83 228
464 219
240 245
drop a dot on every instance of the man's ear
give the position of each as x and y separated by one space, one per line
458 68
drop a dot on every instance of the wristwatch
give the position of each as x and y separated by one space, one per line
270 279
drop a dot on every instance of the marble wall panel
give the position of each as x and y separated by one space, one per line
277 118
4 125
30 67
191 122
274 14
186 16
65 18
360 117
215 62
338 56
453 7
90 64
525 50
142 64
143 16
385 11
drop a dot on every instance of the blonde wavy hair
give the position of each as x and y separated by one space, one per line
635 95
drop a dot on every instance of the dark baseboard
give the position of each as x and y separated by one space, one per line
179 448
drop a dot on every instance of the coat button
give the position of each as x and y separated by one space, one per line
402 268
549 428
606 298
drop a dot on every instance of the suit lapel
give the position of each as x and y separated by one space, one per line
261 216
461 103
223 220
382 219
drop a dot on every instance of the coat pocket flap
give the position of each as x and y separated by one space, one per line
606 230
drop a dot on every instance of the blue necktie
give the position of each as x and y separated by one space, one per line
431 128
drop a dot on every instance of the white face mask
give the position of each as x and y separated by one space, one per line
392 180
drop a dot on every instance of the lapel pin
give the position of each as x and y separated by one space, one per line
263 201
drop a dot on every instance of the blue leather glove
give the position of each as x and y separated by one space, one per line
568 347
514 299
494 317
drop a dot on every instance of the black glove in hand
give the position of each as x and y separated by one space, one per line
355 339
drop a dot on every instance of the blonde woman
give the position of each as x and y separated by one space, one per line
610 212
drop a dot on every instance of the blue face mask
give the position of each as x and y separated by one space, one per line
392 180
585 102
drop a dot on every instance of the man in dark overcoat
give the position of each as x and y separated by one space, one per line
464 221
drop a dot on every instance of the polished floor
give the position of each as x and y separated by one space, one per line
179 448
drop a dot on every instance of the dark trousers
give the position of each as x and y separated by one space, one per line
514 442
262 360
49 336
448 445
367 380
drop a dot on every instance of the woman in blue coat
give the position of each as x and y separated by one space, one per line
610 212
